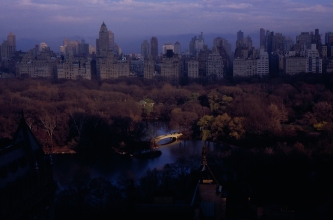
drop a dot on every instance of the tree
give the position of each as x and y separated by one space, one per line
218 102
236 127
205 124
276 117
220 127
49 123
323 111
183 120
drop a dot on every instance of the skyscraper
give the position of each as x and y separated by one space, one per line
145 49
177 49
102 43
8 47
262 38
192 49
83 48
111 40
196 45
240 35
154 47
329 38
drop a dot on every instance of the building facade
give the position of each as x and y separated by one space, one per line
193 69
295 65
44 65
103 41
8 47
154 47
74 69
171 67
149 68
145 49
214 64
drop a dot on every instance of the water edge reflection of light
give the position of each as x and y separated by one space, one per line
112 166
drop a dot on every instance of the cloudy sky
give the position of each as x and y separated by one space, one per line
133 21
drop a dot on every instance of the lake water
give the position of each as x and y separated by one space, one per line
112 166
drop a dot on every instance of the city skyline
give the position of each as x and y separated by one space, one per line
132 22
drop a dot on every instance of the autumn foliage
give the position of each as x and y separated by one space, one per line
101 115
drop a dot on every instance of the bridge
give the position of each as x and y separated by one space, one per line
174 135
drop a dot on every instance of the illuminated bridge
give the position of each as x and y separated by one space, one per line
175 136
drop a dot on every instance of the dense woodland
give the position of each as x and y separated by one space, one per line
92 115
284 126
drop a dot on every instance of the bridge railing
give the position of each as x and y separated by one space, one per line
176 134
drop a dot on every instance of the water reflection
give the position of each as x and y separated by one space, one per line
111 167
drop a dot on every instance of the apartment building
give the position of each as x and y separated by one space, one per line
74 69
171 67
44 65
214 64
294 65
193 68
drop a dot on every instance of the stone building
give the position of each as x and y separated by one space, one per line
110 67
8 47
43 65
245 67
214 66
171 67
193 68
149 68
74 69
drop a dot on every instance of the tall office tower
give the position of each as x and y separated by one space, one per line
248 42
289 43
70 47
240 35
196 44
202 60
102 43
262 38
83 48
220 42
177 49
199 43
269 41
66 42
145 49
279 42
192 49
11 38
217 41
8 47
316 39
329 38
304 41
154 47
111 40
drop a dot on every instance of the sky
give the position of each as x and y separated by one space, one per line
133 21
